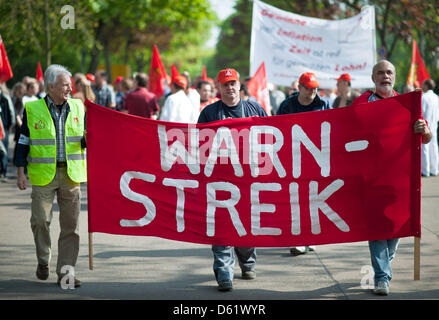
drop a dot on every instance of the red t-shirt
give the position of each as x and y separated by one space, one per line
364 98
141 102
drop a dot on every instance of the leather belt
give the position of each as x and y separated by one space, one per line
61 164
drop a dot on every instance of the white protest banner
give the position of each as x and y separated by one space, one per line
291 44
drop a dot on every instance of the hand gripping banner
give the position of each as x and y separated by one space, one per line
334 176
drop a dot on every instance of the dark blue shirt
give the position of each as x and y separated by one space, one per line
292 105
220 111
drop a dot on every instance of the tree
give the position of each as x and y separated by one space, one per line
114 31
32 31
145 23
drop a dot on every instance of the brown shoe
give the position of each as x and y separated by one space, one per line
76 281
42 272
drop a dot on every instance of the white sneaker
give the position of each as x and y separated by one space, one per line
381 288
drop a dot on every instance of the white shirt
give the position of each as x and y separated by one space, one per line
430 109
178 108
194 97
330 99
28 99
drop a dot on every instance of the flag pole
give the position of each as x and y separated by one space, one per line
417 259
90 250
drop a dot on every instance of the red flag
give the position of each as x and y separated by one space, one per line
156 74
258 88
174 72
2 131
418 72
72 81
39 75
204 75
5 67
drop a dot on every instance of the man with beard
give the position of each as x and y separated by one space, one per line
382 252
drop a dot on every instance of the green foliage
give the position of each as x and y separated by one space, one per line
124 31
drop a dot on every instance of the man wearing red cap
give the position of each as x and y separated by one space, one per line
231 106
178 107
345 94
306 99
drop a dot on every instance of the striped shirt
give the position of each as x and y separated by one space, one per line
59 116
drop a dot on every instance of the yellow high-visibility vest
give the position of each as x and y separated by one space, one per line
42 155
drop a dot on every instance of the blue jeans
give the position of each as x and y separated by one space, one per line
382 253
224 260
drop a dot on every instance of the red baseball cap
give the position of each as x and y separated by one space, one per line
309 80
180 81
227 75
90 77
118 79
344 76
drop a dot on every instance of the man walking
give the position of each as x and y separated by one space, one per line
178 107
51 145
141 102
382 252
231 106
104 94
304 100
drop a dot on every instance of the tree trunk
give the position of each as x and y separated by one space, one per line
127 52
140 61
48 49
83 55
107 61
95 52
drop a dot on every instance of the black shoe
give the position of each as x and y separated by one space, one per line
225 285
76 281
42 272
248 275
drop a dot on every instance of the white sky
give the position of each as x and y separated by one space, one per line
223 9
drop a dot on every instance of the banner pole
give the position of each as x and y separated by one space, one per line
90 250
417 259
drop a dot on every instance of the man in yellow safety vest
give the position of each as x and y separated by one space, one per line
52 146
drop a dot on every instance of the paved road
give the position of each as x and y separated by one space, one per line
127 267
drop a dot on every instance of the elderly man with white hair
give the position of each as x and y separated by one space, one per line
52 147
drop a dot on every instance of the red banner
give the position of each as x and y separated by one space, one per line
333 176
